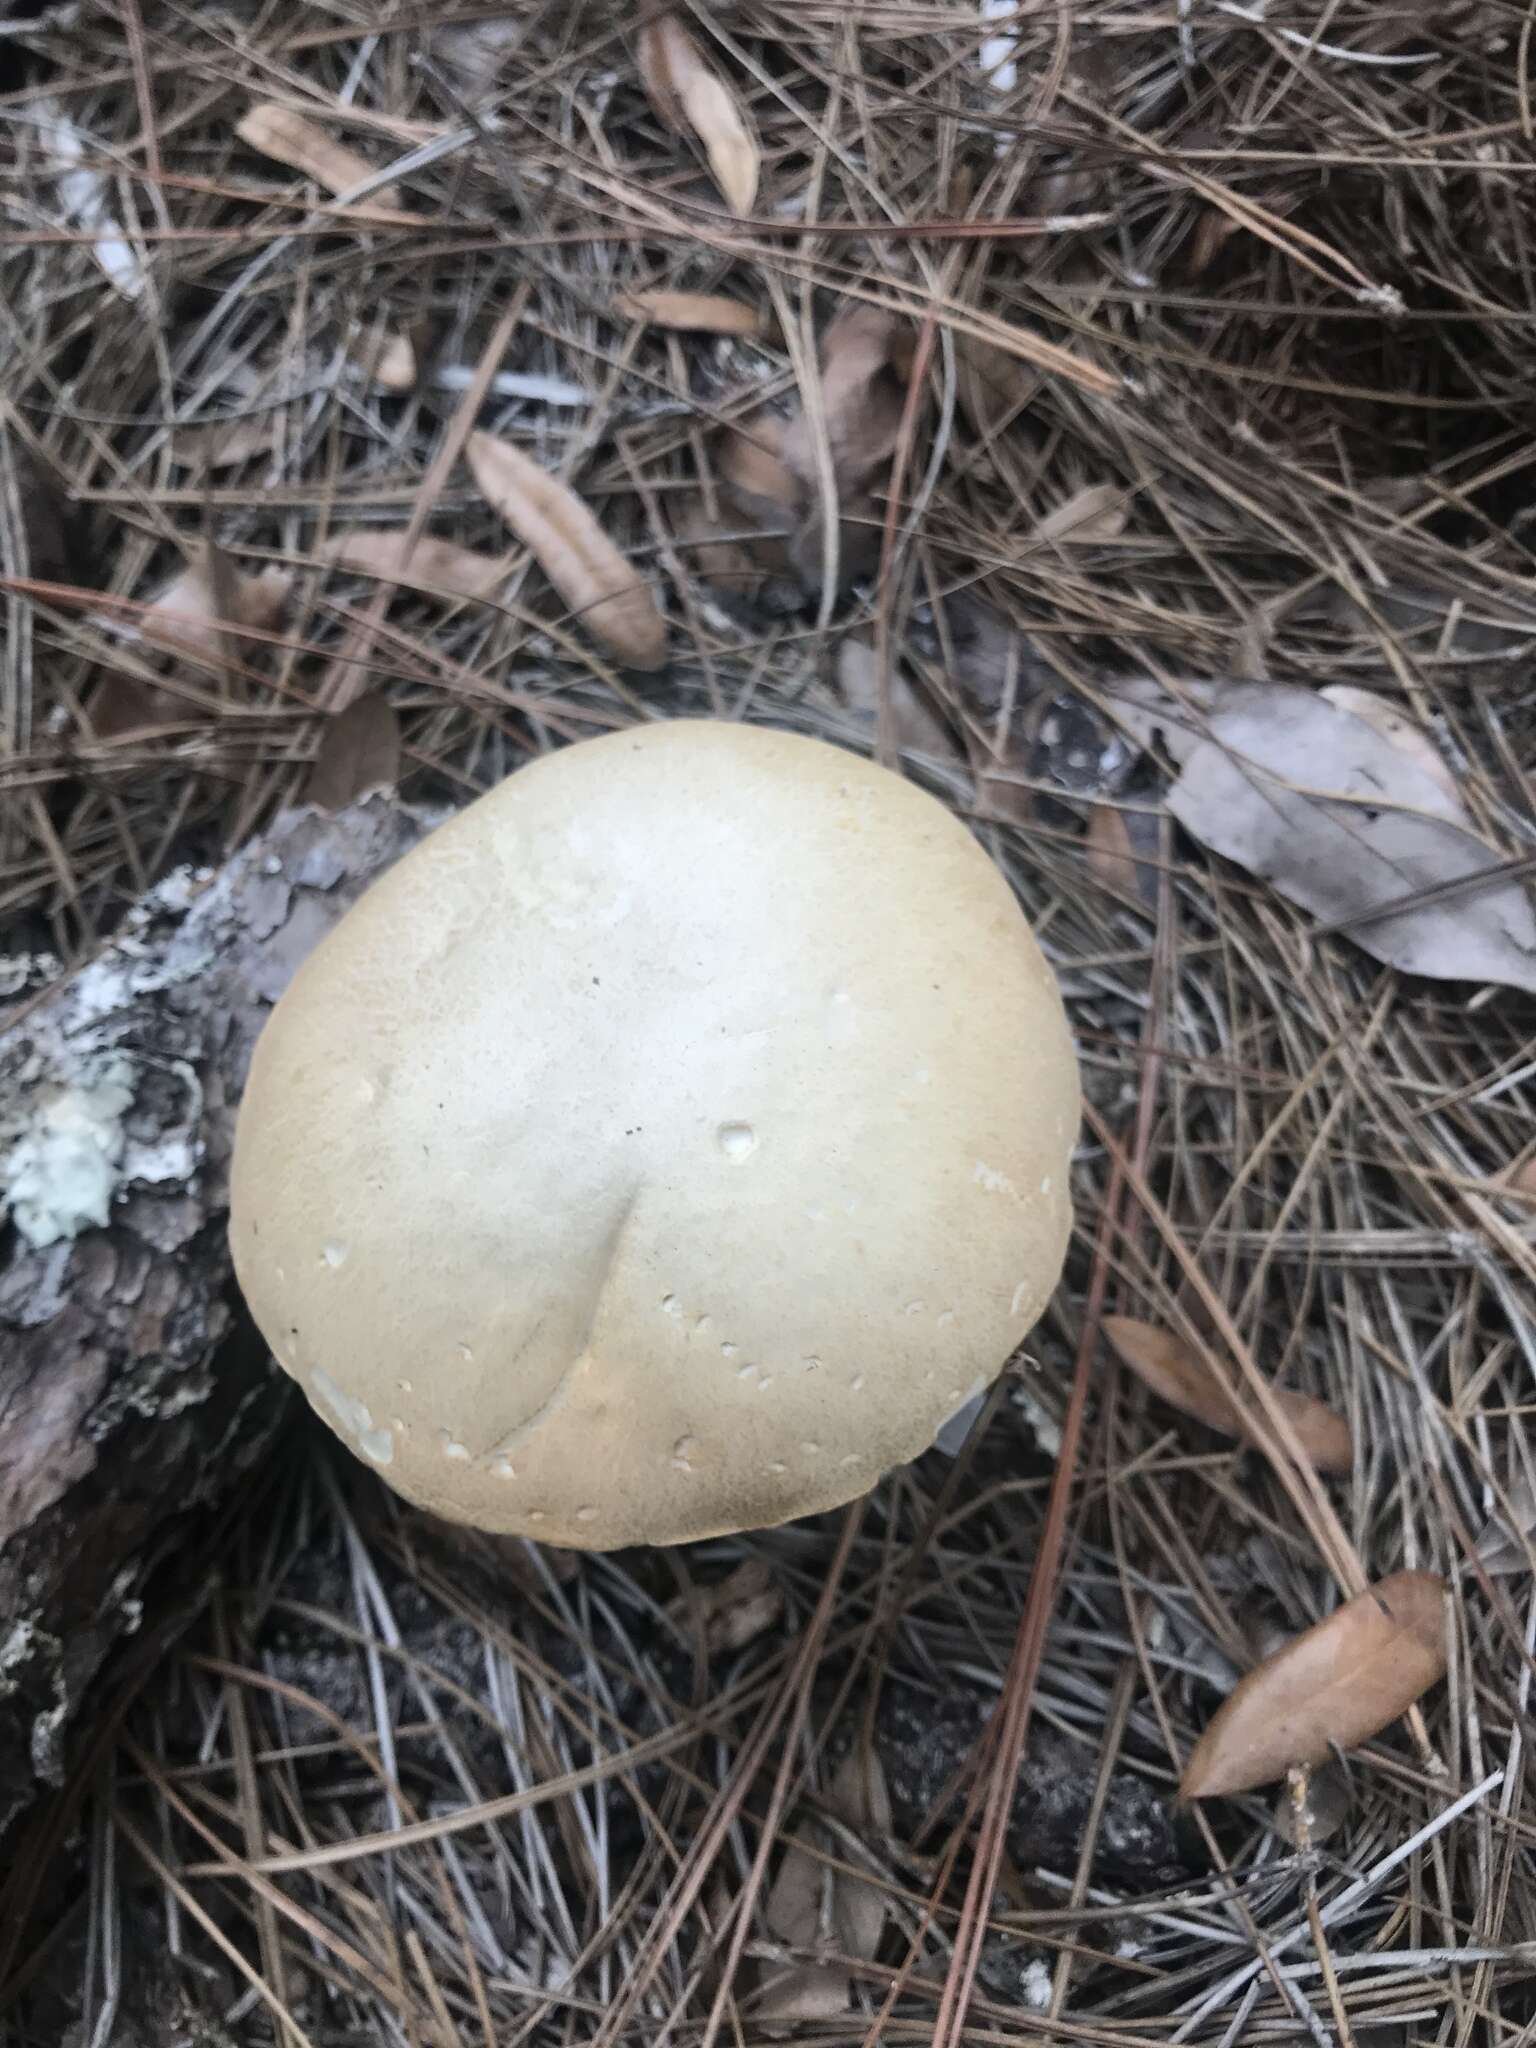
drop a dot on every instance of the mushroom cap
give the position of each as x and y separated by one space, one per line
664 1147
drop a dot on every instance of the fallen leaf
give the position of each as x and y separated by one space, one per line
1332 1687
757 479
751 577
122 704
794 1906
390 361
1095 513
1179 1376
807 1883
220 444
439 567
858 1797
1344 822
862 400
689 95
359 751
803 1991
994 387
736 1611
691 312
1403 732
913 726
1212 231
303 145
192 611
1110 854
572 549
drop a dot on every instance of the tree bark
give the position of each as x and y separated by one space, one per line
124 1407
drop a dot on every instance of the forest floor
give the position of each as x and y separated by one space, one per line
1148 358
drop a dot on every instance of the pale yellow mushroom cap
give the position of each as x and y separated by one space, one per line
666 1146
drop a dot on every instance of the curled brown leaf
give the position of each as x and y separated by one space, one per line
303 145
438 567
994 387
579 559
691 312
757 479
690 97
1333 1687
862 400
192 613
1179 1376
912 724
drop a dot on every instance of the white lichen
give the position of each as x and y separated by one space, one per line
1035 1984
61 1170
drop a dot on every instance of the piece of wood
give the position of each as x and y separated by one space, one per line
128 1403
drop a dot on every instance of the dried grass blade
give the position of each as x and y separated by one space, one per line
572 549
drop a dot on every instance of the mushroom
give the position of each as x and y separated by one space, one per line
665 1147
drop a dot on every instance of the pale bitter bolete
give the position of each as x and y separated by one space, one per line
666 1146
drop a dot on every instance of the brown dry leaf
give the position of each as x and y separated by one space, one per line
862 399
390 360
439 567
993 386
756 477
802 1991
735 1612
689 95
222 443
858 1796
191 612
793 1908
121 704
1108 841
1180 1377
1344 822
1333 1687
359 750
1095 513
572 549
691 312
1124 852
812 1900
913 726
303 145
1213 230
